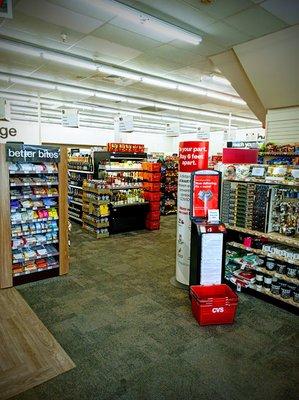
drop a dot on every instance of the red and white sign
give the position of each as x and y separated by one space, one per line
205 195
193 156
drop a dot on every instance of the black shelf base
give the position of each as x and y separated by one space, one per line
129 218
35 276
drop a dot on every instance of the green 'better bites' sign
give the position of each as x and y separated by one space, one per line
18 152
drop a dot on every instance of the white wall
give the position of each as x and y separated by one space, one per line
282 125
28 132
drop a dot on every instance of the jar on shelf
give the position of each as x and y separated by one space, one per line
267 282
275 286
270 264
291 270
281 267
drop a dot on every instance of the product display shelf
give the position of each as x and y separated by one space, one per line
30 233
79 171
33 232
13 184
266 295
263 253
33 197
275 237
55 266
80 168
243 264
169 183
280 299
123 175
95 208
263 181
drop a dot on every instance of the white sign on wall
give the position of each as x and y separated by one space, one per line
123 123
203 133
70 118
172 129
26 132
4 110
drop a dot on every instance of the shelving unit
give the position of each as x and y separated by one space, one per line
169 185
80 167
257 217
122 174
33 200
96 199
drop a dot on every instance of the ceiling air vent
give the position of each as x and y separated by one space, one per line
117 80
152 109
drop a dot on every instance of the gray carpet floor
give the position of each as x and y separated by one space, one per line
132 334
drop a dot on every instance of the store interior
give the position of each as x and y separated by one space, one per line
148 148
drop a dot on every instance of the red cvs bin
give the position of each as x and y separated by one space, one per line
213 305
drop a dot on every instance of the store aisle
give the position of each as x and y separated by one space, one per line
132 336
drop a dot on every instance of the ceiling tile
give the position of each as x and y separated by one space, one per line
102 48
255 21
136 27
221 8
152 65
206 47
58 15
287 10
24 27
182 12
226 35
174 54
86 7
125 37
20 61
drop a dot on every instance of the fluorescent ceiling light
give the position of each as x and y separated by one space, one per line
192 89
238 101
109 96
28 82
76 90
159 82
118 72
150 23
220 96
220 79
51 55
140 102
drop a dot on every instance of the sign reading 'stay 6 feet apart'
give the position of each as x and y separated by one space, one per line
193 156
18 152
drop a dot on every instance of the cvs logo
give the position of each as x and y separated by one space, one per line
217 310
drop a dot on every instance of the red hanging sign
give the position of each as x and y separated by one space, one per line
193 156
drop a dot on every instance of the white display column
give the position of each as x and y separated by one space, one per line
193 156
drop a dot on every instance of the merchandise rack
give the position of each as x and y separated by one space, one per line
95 208
75 192
122 172
9 232
169 185
237 233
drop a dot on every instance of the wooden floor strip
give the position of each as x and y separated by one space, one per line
29 354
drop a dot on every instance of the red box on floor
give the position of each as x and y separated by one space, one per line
152 186
152 225
154 205
153 216
212 305
152 196
152 176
